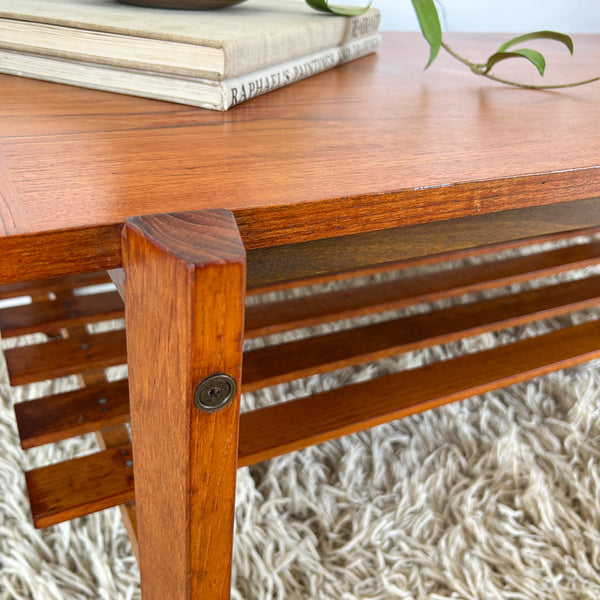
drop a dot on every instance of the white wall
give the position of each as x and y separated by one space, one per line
568 16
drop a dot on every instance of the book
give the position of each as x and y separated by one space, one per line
214 44
195 91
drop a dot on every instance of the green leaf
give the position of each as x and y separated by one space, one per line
539 35
346 11
533 56
429 22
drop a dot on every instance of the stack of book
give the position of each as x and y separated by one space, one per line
211 59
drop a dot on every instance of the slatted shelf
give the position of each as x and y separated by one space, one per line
285 362
73 311
61 416
64 415
275 430
79 486
59 358
275 317
43 287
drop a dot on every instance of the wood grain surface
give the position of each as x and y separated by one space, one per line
353 301
373 144
288 426
71 489
184 307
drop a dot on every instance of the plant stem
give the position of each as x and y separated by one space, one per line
477 70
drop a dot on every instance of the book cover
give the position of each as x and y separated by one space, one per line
194 91
215 44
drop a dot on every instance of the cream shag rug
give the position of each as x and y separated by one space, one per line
495 497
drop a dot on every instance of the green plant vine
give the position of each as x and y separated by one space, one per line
429 23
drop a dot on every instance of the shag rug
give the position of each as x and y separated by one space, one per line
495 497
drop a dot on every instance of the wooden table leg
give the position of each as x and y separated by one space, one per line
184 305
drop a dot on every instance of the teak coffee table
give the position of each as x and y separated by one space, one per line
371 167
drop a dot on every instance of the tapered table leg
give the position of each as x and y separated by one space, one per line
184 299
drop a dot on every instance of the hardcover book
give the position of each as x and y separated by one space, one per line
195 91
213 45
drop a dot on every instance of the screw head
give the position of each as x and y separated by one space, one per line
215 392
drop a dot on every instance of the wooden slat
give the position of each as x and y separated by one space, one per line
108 434
309 310
310 262
284 362
58 358
111 437
80 486
278 429
53 418
58 417
73 488
274 317
45 286
65 312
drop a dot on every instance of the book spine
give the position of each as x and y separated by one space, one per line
240 89
244 56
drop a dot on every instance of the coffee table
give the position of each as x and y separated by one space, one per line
371 166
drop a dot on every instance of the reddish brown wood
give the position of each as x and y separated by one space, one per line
275 430
79 158
117 436
323 260
54 418
402 146
109 435
292 360
74 413
68 312
79 486
59 253
273 317
276 364
267 227
69 489
45 286
184 297
58 358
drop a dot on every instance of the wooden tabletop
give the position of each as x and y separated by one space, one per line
376 143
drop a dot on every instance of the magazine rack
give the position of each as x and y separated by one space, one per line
187 267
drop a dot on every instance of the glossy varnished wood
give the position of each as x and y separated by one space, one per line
184 307
289 426
289 265
349 150
302 358
62 357
70 312
71 489
42 287
58 495
374 145
53 418
81 351
102 406
273 317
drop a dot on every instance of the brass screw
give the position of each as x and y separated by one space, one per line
215 392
